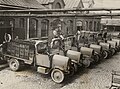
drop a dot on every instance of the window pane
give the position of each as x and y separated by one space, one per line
90 26
95 26
58 6
79 25
33 28
86 25
44 28
21 22
70 27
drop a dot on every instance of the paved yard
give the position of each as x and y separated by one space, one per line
96 77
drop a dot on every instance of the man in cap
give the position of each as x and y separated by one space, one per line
105 33
57 34
78 34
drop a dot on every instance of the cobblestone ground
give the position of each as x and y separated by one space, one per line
96 77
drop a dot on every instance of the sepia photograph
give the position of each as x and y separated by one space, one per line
59 44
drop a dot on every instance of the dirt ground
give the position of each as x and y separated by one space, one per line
96 77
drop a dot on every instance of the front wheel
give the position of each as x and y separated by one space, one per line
14 64
75 67
86 63
113 51
96 58
105 54
57 75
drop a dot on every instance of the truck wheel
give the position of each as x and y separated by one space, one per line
57 75
14 64
105 54
72 71
75 67
113 51
96 58
86 63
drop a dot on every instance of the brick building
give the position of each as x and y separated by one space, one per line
41 27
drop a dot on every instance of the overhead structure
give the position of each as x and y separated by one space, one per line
60 12
63 10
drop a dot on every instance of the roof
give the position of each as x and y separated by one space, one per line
45 1
107 4
115 22
88 3
22 3
73 3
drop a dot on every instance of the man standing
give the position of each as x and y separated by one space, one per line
78 34
105 33
57 32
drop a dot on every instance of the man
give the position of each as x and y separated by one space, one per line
57 34
101 31
78 34
105 33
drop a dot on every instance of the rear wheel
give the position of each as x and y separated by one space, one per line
57 75
14 64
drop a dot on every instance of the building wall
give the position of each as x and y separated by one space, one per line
69 26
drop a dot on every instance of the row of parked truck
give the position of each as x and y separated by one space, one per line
64 58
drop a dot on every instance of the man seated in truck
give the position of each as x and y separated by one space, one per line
57 35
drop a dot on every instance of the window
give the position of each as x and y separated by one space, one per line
55 23
70 27
90 26
98 26
95 26
79 25
58 6
21 22
33 28
44 28
41 47
86 25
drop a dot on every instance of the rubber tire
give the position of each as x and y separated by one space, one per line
86 63
96 59
75 67
57 75
72 71
113 51
14 64
106 54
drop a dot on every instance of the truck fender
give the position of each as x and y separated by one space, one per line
57 67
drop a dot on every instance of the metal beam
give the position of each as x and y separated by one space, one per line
63 10
58 15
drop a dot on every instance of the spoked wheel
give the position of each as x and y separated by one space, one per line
96 58
14 64
86 63
57 76
105 54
